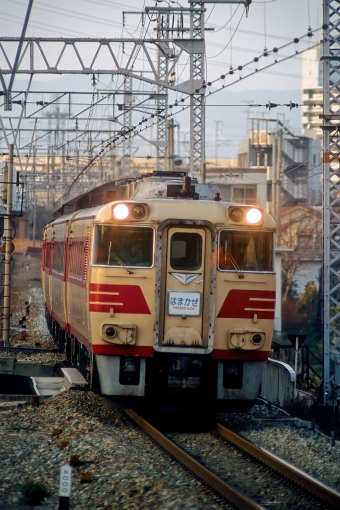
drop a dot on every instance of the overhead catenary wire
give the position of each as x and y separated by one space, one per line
143 120
231 34
125 78
131 129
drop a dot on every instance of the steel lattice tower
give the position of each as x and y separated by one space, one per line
162 91
331 195
197 99
127 121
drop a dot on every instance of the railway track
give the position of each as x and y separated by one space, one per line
244 475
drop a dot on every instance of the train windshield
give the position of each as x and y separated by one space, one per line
123 246
245 251
186 251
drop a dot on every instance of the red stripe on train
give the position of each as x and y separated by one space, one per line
122 298
117 350
243 304
239 354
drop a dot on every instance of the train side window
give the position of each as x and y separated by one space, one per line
47 255
58 257
186 251
245 251
76 259
123 246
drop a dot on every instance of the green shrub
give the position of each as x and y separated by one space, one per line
32 492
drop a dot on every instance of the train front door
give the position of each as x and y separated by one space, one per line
186 297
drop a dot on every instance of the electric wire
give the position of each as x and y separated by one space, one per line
70 13
132 65
227 23
130 130
125 78
210 92
231 37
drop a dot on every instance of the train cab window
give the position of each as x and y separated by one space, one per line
123 246
186 251
245 251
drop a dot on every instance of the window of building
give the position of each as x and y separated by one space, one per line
305 240
245 194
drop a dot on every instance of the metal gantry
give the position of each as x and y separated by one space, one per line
89 57
331 202
162 100
128 99
197 103
101 56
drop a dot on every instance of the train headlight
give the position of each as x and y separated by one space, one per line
236 214
110 332
256 338
138 211
254 216
119 334
130 211
246 339
121 212
245 215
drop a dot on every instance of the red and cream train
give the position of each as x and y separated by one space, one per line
162 293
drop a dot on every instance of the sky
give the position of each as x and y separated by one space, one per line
233 38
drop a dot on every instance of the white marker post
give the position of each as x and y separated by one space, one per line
65 487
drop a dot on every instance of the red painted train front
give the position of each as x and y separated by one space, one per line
162 293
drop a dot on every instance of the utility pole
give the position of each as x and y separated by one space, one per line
331 202
217 122
274 173
277 190
34 191
171 144
7 181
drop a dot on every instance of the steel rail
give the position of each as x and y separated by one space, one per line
314 486
203 473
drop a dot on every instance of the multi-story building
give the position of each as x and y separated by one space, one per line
312 93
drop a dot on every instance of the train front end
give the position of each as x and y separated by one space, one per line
182 298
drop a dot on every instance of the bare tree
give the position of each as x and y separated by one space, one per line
300 230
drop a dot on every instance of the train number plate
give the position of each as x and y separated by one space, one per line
184 303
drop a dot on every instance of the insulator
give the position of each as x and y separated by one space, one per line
270 105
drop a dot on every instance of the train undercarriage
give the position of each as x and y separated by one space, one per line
164 382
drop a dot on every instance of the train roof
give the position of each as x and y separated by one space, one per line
171 187
108 192
154 188
155 185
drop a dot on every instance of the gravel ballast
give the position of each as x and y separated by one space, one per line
118 466
121 466
292 439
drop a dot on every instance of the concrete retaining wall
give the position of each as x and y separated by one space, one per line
278 382
12 366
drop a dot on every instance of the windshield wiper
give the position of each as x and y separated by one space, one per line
233 261
117 259
237 269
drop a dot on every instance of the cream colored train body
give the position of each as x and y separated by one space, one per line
163 297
